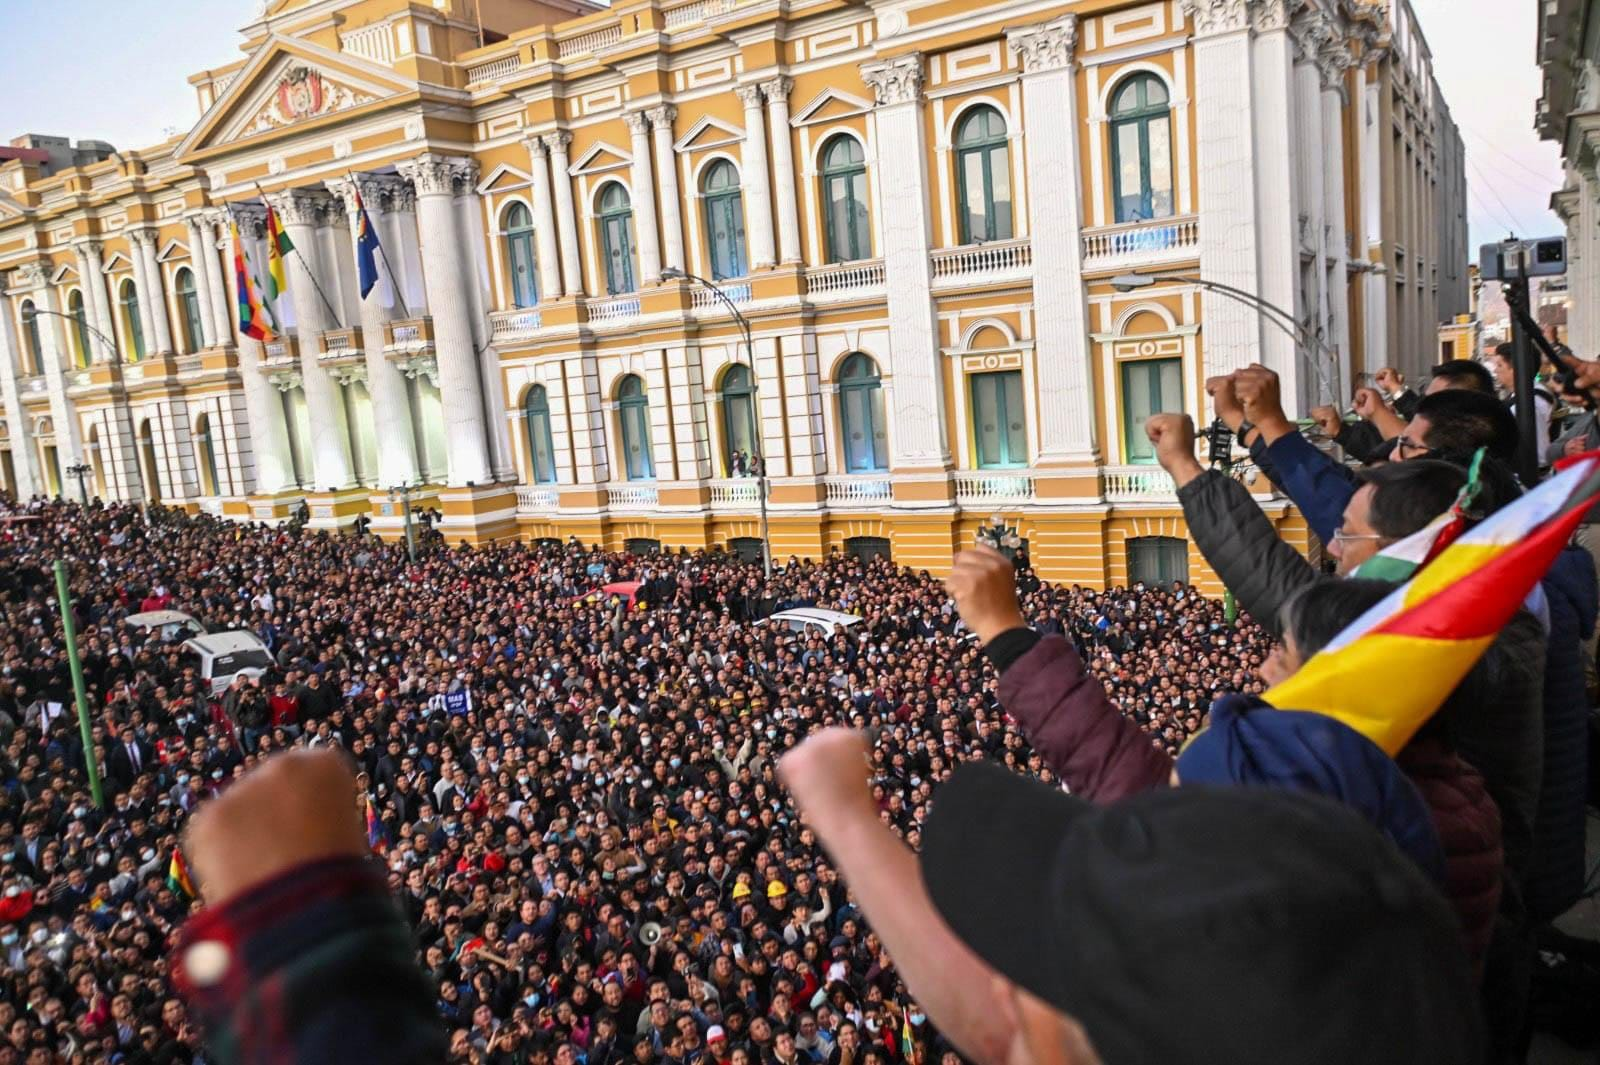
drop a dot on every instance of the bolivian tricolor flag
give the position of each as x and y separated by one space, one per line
1390 671
253 321
278 245
178 874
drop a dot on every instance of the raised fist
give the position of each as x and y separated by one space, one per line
1173 437
1225 400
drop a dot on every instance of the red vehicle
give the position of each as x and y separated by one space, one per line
626 590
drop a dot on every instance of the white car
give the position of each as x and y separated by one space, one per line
811 621
225 655
170 622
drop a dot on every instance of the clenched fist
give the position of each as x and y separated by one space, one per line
984 585
1367 402
1173 436
827 776
1225 400
1328 420
1258 391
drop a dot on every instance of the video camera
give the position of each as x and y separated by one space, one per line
1519 260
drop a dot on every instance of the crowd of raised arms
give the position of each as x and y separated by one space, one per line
552 775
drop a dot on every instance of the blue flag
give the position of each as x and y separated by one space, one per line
366 247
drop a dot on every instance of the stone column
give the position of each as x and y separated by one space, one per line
757 187
919 437
644 198
302 214
391 408
219 278
1334 65
23 460
1062 350
571 261
141 291
446 272
263 404
154 292
96 302
198 242
777 90
661 119
63 412
1279 200
544 221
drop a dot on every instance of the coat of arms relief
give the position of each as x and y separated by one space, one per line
303 93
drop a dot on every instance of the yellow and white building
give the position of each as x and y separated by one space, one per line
918 206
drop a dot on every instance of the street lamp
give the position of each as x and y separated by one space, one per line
404 491
673 273
1279 317
79 470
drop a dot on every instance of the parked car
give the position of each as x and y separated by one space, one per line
812 621
225 655
172 623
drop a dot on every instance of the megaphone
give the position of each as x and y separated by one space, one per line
650 933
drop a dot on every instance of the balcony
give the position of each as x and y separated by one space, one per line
858 491
520 324
862 279
613 309
408 337
282 353
703 300
997 262
536 500
339 345
594 41
373 43
991 489
1140 244
35 384
632 497
735 494
211 505
695 11
1139 484
495 69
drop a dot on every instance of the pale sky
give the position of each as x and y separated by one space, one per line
117 70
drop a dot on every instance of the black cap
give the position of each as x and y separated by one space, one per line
1204 925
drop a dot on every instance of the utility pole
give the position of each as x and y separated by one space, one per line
78 470
69 631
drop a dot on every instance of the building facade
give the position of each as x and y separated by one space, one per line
925 212
1569 114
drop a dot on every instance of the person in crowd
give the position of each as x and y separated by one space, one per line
1396 393
1502 365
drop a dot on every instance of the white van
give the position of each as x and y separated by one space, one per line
813 621
225 655
170 623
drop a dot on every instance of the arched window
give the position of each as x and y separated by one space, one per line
194 337
541 447
32 343
205 452
616 237
738 416
983 173
861 416
724 220
999 423
132 331
519 256
1141 149
633 412
847 222
80 327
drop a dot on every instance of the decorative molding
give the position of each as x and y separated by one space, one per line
144 237
662 117
559 141
303 93
302 207
749 95
1045 47
895 81
638 123
438 175
28 276
777 88
1212 17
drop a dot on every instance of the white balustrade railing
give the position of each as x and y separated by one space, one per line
211 505
1140 243
494 69
632 496
284 349
615 309
593 41
1139 484
704 299
36 383
370 42
1002 260
513 325
735 492
536 499
861 277
858 491
989 488
695 11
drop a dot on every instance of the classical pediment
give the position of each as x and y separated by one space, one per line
709 133
286 83
600 158
504 178
830 105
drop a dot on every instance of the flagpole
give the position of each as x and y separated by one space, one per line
310 273
394 278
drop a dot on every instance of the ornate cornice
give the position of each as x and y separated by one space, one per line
28 276
1048 46
895 81
379 192
1214 17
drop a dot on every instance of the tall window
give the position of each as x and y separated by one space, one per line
80 327
132 331
1149 386
519 256
32 343
633 411
738 415
861 416
205 451
1141 149
724 220
847 221
194 337
1158 560
983 173
541 447
616 237
999 423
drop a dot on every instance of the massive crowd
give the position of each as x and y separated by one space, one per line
576 797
